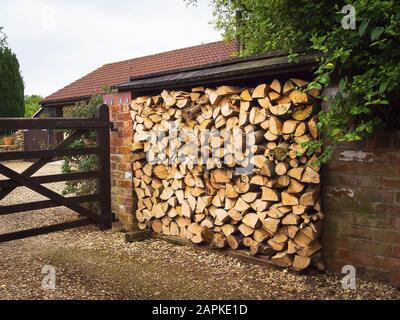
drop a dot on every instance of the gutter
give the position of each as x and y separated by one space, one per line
63 102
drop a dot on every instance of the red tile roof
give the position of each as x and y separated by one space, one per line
120 72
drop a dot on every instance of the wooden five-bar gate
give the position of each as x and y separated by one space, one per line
77 127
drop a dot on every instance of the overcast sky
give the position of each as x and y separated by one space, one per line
59 41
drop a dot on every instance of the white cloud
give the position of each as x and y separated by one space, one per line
58 41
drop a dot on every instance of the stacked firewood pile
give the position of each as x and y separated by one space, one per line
229 167
19 139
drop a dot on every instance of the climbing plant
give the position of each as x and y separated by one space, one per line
364 62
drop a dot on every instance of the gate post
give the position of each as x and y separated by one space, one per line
104 185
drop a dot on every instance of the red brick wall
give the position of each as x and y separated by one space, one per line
121 165
361 200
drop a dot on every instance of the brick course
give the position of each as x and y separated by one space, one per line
361 193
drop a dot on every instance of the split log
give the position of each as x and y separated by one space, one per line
282 168
276 86
312 128
161 172
260 235
281 151
289 126
303 113
309 197
271 225
295 186
301 263
291 219
263 249
220 241
265 103
273 210
251 220
298 97
269 194
260 91
281 108
289 199
310 176
283 259
241 205
246 96
288 87
246 230
275 126
235 241
299 83
228 229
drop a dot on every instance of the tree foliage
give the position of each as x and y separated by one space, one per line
82 163
11 82
3 38
32 105
365 62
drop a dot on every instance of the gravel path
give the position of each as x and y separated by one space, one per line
100 265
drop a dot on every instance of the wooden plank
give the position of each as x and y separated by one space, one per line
104 185
24 155
29 183
36 166
53 123
43 230
243 255
102 125
38 205
137 236
4 184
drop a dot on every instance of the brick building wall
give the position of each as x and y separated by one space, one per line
121 165
361 201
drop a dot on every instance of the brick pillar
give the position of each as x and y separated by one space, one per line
121 166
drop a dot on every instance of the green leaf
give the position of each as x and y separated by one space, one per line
342 84
314 85
383 87
363 27
336 131
376 33
325 79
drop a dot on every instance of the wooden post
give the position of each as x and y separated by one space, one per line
58 136
104 185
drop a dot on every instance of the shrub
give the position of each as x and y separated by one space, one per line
82 163
32 105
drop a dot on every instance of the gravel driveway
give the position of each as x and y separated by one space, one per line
91 264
